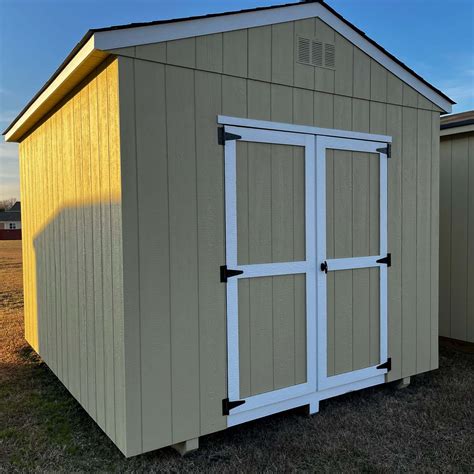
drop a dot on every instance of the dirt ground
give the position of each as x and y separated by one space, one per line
427 427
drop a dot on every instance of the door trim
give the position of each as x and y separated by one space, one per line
307 129
337 143
307 267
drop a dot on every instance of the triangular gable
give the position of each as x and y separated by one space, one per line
98 43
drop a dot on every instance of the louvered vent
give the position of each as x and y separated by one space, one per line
313 52
304 48
316 53
329 55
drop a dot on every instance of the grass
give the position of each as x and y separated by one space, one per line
428 426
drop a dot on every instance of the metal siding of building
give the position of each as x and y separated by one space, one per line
456 234
71 208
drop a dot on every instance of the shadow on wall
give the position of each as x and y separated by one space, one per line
75 274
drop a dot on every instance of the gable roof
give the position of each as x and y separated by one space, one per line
96 44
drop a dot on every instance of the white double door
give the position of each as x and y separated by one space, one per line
306 227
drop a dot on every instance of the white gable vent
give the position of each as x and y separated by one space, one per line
314 52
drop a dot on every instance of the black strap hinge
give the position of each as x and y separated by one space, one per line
227 405
226 273
386 365
223 136
387 150
387 260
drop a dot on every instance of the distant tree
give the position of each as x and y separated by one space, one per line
6 204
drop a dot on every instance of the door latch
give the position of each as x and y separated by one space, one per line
324 266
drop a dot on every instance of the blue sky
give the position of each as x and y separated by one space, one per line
433 37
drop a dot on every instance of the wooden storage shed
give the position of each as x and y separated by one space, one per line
456 281
229 216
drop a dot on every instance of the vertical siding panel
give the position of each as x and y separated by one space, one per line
183 252
235 53
40 248
445 202
459 242
303 107
260 53
362 226
282 210
209 52
434 234
259 100
211 253
105 206
409 227
304 74
410 96
394 129
344 78
181 52
361 74
69 248
153 243
282 53
51 222
323 110
281 103
423 236
378 82
324 79
131 269
62 257
80 250
56 210
73 288
470 217
97 226
394 89
88 251
234 96
117 254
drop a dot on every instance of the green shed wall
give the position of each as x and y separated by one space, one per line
456 292
173 206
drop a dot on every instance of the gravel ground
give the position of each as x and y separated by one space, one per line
427 427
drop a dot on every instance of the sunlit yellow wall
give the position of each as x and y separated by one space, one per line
72 246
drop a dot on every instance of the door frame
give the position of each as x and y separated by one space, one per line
320 391
306 267
336 264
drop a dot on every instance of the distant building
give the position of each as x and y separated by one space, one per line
11 219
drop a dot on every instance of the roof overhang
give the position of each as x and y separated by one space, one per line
99 43
456 129
84 61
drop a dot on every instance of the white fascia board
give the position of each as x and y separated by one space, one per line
82 55
456 130
135 36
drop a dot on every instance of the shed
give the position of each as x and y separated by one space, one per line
229 216
456 282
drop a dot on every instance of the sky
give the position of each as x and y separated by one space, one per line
433 37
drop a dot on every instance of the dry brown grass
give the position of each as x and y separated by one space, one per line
426 427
